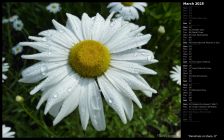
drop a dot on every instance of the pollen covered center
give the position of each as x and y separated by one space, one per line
127 3
89 58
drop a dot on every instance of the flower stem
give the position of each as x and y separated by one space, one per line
36 120
169 46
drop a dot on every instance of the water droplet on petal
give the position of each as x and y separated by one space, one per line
43 70
69 89
61 30
110 101
55 96
49 51
144 54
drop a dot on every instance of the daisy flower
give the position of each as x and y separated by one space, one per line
54 8
6 133
17 25
127 10
5 68
85 59
175 74
17 49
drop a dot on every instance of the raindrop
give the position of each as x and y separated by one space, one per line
61 30
43 70
144 54
69 89
93 18
49 50
110 101
55 96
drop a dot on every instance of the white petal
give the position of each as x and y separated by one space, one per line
105 27
130 43
61 39
46 56
112 4
69 105
4 76
47 33
97 27
140 56
114 27
131 79
74 24
6 129
36 45
43 98
122 87
38 71
142 3
128 107
55 109
86 26
118 36
112 97
96 107
57 47
83 104
132 67
116 7
38 39
41 68
57 37
146 92
61 28
134 13
32 79
135 32
139 7
54 77
61 91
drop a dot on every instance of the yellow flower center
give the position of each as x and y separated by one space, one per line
89 58
127 3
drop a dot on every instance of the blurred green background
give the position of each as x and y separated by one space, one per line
160 115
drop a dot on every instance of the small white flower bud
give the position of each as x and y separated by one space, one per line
161 29
19 99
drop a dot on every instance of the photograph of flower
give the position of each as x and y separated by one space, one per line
91 69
